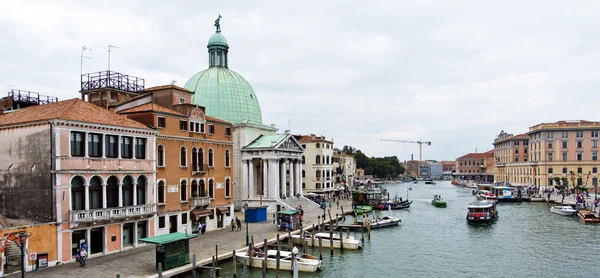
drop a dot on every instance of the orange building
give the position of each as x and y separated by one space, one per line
511 157
476 166
194 159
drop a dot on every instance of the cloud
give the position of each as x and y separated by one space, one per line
454 73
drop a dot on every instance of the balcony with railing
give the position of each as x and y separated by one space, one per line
113 80
199 169
105 214
199 201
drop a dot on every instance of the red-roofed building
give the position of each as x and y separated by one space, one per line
86 170
476 166
194 159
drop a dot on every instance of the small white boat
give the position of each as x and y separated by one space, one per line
349 241
306 262
563 210
386 221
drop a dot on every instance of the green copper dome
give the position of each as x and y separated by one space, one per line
218 39
225 94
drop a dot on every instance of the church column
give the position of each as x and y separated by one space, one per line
245 184
275 179
265 178
282 182
251 189
291 179
299 177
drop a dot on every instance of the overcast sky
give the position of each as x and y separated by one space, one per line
455 73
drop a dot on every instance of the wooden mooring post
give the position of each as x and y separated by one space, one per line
250 250
320 249
343 214
341 240
217 258
214 265
277 263
194 264
160 270
244 274
312 240
289 239
233 259
337 221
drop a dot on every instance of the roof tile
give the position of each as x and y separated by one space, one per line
70 110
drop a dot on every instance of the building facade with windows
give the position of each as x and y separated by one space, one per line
475 166
85 170
344 166
193 161
511 159
318 172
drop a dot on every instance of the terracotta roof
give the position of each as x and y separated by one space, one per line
309 139
70 110
151 107
125 100
217 120
487 154
170 86
520 136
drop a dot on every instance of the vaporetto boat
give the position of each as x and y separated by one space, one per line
306 262
349 241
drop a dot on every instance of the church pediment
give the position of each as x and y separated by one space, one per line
289 144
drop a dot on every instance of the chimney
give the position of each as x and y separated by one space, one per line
412 157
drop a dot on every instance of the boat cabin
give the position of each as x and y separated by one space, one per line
482 211
369 198
503 193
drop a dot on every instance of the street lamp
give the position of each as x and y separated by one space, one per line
245 220
23 241
295 265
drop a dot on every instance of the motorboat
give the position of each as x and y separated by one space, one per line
363 209
438 201
486 195
349 241
305 262
588 217
429 182
482 211
563 210
386 221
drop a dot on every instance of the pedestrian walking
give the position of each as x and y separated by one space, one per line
82 257
232 225
239 223
78 256
274 218
338 204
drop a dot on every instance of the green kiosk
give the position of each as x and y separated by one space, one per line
172 250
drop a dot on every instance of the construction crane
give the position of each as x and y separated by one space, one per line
420 142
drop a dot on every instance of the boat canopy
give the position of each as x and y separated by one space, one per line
482 204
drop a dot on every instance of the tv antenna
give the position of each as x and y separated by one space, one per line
83 49
110 46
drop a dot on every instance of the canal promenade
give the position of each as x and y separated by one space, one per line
140 262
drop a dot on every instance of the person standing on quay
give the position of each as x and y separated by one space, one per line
232 225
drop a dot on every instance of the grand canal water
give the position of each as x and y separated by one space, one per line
526 241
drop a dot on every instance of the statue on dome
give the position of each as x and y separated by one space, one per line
218 24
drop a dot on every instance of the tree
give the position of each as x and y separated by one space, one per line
562 187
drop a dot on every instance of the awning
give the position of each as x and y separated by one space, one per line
201 212
222 210
164 239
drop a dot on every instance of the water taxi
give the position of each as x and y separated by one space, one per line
482 211
305 262
349 241
588 217
386 221
563 210
438 201
504 193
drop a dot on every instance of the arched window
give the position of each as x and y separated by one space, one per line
96 193
318 145
211 190
160 157
303 173
141 190
201 159
202 189
161 192
195 192
227 159
227 189
127 191
183 158
211 158
318 159
327 160
318 173
183 190
194 160
112 192
77 193
303 158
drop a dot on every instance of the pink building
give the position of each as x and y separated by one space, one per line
86 170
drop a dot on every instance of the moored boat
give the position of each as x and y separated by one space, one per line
588 217
349 241
386 221
429 182
360 210
482 211
305 262
563 210
438 201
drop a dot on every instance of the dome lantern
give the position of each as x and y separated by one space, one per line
217 47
